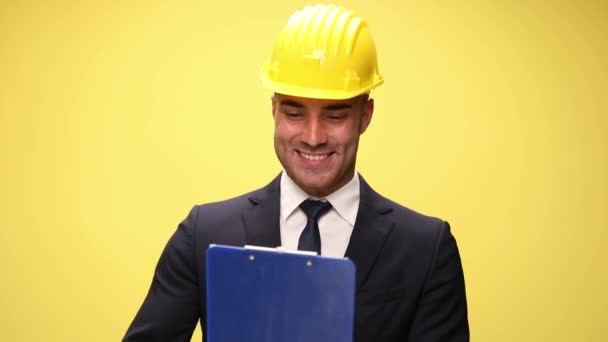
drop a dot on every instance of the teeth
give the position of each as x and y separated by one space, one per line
314 156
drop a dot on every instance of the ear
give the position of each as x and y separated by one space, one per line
366 115
274 100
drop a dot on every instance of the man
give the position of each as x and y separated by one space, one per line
409 279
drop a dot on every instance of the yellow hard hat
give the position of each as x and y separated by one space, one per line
324 52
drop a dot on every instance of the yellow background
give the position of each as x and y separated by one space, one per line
117 116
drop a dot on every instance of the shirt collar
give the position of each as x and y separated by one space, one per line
344 200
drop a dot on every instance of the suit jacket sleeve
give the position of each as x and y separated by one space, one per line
171 308
441 313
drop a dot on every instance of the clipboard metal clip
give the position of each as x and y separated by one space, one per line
280 249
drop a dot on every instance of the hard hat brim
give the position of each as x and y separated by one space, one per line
317 93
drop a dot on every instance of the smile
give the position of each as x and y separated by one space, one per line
314 157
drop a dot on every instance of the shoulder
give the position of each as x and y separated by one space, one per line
228 210
224 207
404 218
421 232
408 226
413 221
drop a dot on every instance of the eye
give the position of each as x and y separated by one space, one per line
293 114
336 117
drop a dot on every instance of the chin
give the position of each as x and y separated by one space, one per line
315 188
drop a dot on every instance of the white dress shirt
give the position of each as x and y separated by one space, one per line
335 227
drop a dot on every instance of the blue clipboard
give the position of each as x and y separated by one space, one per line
268 295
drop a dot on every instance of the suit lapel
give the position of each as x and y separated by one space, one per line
261 221
261 218
370 231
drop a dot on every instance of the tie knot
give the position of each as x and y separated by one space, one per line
314 209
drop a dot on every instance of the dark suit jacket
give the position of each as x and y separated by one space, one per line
410 283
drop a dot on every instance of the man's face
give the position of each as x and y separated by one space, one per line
316 140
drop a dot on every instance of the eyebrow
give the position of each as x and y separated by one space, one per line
295 104
291 103
338 107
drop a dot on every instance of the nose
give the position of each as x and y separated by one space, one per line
314 133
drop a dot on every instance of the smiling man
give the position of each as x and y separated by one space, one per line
409 278
316 140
